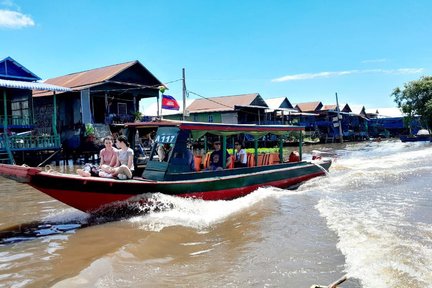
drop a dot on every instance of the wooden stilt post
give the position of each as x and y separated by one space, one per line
5 121
54 121
339 119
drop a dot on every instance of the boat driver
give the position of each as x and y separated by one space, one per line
163 152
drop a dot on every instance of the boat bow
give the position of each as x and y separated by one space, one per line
19 173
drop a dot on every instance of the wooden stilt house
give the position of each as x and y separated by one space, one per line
106 95
17 123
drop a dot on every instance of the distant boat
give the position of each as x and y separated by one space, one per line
175 177
422 135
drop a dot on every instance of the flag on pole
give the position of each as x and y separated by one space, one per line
168 102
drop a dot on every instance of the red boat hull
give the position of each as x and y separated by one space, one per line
18 173
93 193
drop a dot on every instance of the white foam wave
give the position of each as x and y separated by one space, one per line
376 243
200 214
367 200
390 162
66 216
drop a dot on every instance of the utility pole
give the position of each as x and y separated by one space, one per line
158 105
339 119
184 94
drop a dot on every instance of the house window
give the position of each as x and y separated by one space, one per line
210 118
121 108
20 112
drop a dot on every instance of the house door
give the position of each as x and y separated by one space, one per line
99 109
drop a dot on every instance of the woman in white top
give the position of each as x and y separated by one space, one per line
240 156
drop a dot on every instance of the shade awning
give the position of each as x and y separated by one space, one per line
32 85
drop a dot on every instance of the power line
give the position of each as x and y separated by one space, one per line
209 99
136 86
222 104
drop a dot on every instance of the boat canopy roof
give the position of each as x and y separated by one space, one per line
199 129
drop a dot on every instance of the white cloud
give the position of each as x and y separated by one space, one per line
307 76
13 19
405 71
394 71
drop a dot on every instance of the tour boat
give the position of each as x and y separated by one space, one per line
175 177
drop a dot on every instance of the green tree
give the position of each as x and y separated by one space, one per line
416 99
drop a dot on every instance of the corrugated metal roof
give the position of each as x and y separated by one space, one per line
32 86
225 103
90 77
308 106
93 77
275 103
358 109
281 103
329 107
343 108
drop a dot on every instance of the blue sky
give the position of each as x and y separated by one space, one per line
302 50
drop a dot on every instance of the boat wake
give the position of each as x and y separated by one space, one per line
376 200
151 212
69 220
200 214
137 206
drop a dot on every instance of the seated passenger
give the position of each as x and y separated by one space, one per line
294 157
216 158
88 170
163 152
107 156
124 167
190 158
240 156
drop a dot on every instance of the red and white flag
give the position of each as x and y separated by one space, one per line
168 102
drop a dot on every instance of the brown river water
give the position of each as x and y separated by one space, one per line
363 220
